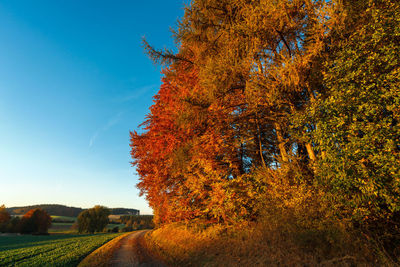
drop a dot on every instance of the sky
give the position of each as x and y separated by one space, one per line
74 80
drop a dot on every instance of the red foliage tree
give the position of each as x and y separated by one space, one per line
35 221
4 215
155 149
189 152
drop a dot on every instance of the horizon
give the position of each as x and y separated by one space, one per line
83 208
43 204
74 80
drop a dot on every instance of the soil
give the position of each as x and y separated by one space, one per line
133 252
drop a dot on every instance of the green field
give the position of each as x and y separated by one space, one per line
62 228
62 224
112 225
66 228
63 218
51 250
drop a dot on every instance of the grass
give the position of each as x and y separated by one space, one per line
102 256
63 218
62 225
66 228
112 225
59 228
257 245
51 250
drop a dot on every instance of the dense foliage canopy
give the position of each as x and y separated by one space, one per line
4 215
93 220
35 221
272 102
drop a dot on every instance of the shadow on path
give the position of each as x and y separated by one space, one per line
133 252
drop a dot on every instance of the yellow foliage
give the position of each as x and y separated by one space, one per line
296 227
258 245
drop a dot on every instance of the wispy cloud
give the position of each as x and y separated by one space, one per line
131 95
136 93
110 123
93 138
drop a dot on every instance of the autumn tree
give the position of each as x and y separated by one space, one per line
264 55
296 94
155 149
4 218
253 61
93 220
4 215
224 106
358 119
35 221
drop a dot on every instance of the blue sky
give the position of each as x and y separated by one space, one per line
73 82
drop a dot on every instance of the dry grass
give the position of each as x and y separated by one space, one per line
258 245
297 226
102 256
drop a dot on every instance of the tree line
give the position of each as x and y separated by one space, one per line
62 210
277 106
38 221
35 221
53 209
136 222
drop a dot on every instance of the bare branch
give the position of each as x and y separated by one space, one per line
163 57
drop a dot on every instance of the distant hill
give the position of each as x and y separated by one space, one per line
61 210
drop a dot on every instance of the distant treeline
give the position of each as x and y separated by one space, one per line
120 211
61 210
137 222
52 209
35 221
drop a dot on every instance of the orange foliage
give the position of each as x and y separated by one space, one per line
36 221
4 215
153 150
223 108
189 152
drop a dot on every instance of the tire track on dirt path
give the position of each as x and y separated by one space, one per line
133 252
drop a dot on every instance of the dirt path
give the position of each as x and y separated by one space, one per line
133 253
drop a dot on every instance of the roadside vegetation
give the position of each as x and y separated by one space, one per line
275 135
282 243
54 250
103 255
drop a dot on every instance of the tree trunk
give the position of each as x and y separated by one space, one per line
310 152
281 143
259 142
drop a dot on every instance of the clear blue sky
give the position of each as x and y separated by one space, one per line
73 82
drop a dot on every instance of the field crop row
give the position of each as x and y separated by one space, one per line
68 251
